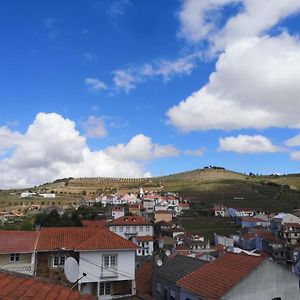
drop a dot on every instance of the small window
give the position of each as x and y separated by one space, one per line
105 288
147 228
110 261
134 228
114 229
141 228
58 261
14 257
121 229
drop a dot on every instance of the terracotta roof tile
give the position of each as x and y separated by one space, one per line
216 278
14 287
94 223
12 241
106 239
144 278
52 238
130 220
144 238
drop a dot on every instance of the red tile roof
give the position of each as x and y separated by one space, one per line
163 212
130 220
52 238
104 240
216 278
291 225
144 278
94 223
20 287
12 241
144 238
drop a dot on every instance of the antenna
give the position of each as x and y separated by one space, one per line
71 269
159 263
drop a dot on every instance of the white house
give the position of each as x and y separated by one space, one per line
27 195
108 261
117 212
17 251
131 227
241 212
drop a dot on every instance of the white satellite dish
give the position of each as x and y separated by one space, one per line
168 252
159 262
71 269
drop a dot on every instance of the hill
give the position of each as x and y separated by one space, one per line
203 186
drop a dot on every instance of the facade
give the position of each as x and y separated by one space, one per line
162 215
241 212
145 244
117 212
108 261
17 251
240 277
253 222
55 245
290 232
133 227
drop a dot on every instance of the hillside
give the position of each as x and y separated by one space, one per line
203 186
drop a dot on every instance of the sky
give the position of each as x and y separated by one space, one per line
128 88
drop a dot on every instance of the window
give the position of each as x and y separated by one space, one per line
121 229
127 229
141 228
134 228
58 261
14 257
114 229
105 288
110 261
147 228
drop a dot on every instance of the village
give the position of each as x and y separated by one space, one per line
137 248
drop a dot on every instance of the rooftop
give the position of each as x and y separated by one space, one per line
130 220
105 239
12 241
53 238
14 287
216 278
177 267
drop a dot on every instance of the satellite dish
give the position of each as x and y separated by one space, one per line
71 269
168 252
159 263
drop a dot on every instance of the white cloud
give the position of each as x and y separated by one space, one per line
247 144
8 139
95 127
295 155
199 19
124 80
52 148
141 148
196 152
95 85
255 85
293 142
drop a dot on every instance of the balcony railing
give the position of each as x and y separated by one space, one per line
19 268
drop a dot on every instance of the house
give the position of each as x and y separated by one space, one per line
240 277
130 227
162 215
145 243
220 210
117 212
184 205
241 212
17 251
47 195
291 233
24 287
165 277
27 195
281 218
55 245
253 222
223 240
108 261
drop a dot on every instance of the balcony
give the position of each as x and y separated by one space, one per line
27 269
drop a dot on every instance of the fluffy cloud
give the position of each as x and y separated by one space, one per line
52 148
95 127
196 152
95 85
255 85
141 148
8 139
247 144
293 142
125 80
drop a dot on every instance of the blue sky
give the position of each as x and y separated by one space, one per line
137 88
